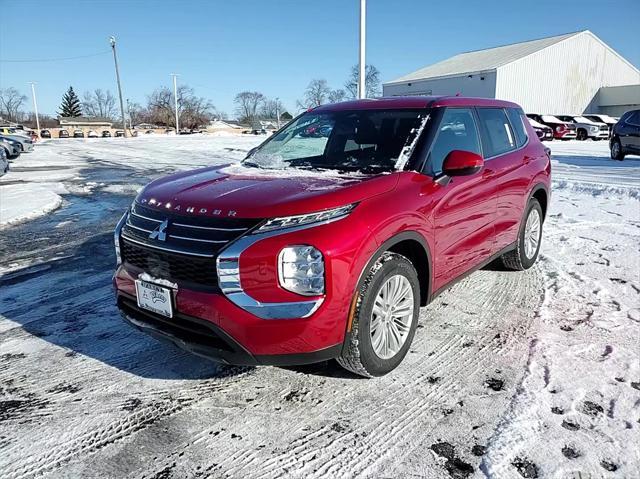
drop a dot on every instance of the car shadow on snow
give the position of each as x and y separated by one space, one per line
69 302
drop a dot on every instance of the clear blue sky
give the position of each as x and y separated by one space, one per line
276 47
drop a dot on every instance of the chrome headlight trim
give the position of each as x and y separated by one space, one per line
228 267
116 236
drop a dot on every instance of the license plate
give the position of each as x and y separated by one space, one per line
154 298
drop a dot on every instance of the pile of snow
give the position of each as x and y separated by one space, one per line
24 201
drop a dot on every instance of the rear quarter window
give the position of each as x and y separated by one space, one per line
516 117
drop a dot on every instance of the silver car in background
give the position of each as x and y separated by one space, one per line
4 162
12 148
586 128
26 144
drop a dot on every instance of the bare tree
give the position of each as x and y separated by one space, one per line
372 82
193 110
270 109
316 94
11 101
100 104
336 96
248 104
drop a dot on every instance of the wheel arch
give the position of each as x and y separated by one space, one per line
540 193
415 248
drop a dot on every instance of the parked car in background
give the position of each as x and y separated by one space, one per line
586 128
106 134
26 143
63 134
562 130
4 162
9 130
45 134
119 133
12 148
606 119
625 137
291 268
92 134
78 134
544 132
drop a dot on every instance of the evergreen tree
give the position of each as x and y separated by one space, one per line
70 106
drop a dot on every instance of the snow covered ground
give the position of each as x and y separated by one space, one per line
533 374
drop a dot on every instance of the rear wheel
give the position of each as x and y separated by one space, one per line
385 318
529 239
616 150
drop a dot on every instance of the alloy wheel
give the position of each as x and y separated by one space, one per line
532 231
391 316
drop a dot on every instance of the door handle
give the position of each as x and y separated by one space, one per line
486 174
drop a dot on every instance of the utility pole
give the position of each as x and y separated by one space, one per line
112 41
362 92
175 99
35 105
278 113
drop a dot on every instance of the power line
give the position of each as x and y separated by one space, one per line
55 59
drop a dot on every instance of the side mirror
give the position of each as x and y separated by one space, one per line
462 163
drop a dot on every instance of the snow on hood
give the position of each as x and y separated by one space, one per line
257 193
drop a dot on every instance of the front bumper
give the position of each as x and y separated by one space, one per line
27 147
205 339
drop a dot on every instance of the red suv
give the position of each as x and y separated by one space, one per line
326 246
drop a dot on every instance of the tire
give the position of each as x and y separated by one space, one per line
523 257
582 134
617 153
360 356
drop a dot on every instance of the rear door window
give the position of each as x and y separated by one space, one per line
497 136
457 131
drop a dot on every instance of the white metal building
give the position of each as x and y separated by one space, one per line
565 74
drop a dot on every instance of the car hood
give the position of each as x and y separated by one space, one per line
236 191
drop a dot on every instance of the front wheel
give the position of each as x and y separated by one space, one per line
616 150
527 247
582 134
385 318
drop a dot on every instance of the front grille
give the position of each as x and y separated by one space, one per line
175 267
187 249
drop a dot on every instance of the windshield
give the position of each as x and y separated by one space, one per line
367 141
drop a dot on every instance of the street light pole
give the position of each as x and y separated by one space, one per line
112 41
129 113
278 113
175 99
35 105
362 93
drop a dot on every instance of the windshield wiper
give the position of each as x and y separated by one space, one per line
251 164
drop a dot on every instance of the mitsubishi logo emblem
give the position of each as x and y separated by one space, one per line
160 232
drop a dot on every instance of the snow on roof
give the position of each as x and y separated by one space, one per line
482 60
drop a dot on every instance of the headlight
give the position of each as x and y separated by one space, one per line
299 220
301 270
594 129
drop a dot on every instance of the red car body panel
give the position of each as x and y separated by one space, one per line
461 225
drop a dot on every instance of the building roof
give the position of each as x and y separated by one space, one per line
482 60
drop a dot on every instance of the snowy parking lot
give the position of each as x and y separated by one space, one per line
510 375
